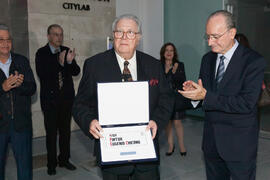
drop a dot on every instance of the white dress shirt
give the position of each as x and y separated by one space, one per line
132 66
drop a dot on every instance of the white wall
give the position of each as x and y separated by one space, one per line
150 12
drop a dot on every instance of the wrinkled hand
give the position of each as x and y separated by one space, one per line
95 129
175 66
153 126
14 80
187 86
193 90
71 55
9 83
62 58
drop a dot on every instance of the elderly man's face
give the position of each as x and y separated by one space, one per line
220 38
124 46
55 37
5 43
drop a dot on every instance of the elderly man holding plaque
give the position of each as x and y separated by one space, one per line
123 63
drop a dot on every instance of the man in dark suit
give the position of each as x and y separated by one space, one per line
108 67
17 87
229 86
55 66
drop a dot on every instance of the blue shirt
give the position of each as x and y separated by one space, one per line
5 66
53 49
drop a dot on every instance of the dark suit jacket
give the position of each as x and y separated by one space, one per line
17 101
104 67
47 68
231 124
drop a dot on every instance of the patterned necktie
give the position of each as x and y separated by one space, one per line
220 70
60 75
126 72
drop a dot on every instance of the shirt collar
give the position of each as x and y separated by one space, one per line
121 60
8 61
53 48
228 55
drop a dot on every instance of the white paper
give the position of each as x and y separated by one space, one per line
123 103
126 144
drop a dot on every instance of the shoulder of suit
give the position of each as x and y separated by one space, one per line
250 52
18 57
100 57
147 58
43 49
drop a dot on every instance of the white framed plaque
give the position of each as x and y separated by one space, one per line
123 109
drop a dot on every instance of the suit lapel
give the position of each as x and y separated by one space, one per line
232 66
13 66
212 71
114 67
141 76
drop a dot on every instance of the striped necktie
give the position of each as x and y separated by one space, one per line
126 72
220 70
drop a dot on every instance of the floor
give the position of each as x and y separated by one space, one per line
174 167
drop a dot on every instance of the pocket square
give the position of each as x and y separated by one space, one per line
153 82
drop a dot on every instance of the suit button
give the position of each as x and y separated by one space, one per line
9 112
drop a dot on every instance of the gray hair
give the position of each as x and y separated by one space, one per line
230 22
128 16
5 28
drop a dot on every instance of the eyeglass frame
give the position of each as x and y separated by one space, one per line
215 37
2 41
123 33
56 34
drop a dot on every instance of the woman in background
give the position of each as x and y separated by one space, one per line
175 74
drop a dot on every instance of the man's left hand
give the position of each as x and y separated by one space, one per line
198 92
153 126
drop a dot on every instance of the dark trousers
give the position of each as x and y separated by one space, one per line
21 144
218 169
136 174
57 120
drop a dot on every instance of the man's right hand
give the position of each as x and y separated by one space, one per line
95 129
10 83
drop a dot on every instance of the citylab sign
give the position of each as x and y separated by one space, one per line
76 6
79 7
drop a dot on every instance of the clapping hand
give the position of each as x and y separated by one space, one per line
71 55
14 80
193 91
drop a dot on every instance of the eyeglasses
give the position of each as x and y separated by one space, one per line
120 34
57 35
2 41
214 37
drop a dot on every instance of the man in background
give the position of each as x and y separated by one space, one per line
17 86
55 66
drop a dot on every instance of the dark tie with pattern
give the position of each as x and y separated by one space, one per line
126 72
60 75
220 70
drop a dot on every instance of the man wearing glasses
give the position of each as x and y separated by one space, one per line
55 66
17 86
123 63
228 88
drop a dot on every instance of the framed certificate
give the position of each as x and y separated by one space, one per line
123 115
